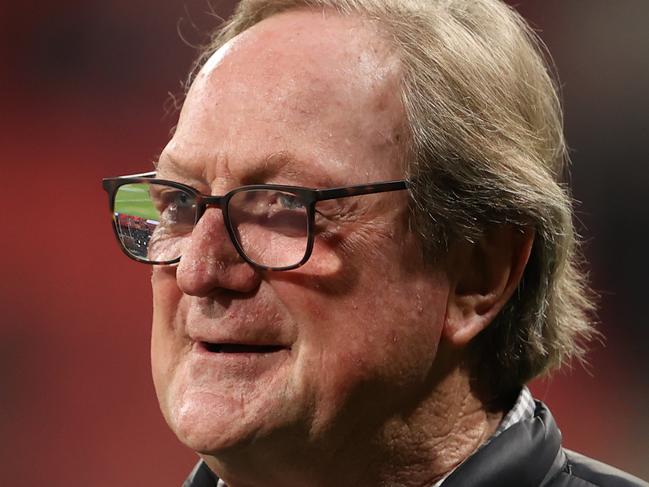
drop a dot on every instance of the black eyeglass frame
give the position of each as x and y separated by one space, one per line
309 196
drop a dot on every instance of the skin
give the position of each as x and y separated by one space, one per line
371 385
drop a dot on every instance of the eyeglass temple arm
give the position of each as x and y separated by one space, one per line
361 189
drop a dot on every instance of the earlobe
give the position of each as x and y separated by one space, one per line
484 276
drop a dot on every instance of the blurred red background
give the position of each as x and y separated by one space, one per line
83 90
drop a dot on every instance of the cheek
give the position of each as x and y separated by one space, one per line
377 334
376 308
387 328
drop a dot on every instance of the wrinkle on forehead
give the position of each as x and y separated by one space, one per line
302 52
331 80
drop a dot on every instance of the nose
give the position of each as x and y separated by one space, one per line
210 262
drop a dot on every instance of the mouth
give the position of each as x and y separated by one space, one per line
241 348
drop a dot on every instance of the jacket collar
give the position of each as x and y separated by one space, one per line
523 455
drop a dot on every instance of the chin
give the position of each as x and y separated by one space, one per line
216 418
216 402
209 424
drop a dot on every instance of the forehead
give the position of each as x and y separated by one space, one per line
317 86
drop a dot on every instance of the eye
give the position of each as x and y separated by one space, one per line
290 201
177 207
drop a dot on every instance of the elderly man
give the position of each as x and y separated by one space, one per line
364 251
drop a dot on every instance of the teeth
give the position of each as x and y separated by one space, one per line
241 348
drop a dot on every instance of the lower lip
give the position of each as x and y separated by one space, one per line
241 357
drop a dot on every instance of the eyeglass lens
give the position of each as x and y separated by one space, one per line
154 221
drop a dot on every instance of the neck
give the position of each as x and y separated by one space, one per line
415 448
438 436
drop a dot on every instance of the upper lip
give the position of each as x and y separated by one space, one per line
253 326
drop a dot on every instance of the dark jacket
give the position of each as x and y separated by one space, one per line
528 454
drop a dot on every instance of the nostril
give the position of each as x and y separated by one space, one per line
202 275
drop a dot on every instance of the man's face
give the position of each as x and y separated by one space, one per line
312 100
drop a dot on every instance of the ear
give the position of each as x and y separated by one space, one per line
483 276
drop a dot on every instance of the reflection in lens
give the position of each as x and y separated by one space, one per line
270 226
147 220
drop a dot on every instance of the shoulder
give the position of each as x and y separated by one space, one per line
580 471
529 453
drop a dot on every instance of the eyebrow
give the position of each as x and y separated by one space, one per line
281 163
285 164
174 167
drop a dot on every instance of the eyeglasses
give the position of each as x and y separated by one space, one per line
271 226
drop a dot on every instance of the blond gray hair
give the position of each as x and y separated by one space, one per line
486 147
